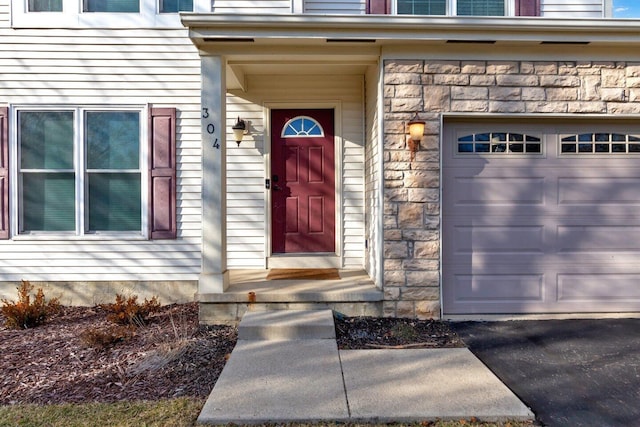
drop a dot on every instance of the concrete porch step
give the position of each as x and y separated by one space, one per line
287 325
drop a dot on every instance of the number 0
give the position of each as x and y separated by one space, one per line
211 128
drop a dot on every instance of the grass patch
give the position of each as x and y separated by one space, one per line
182 412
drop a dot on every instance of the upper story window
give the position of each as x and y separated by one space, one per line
45 5
103 13
111 6
453 7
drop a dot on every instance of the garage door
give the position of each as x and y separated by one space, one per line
541 217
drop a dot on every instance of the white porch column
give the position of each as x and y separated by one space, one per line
215 276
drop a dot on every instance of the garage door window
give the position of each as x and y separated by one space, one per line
499 143
600 143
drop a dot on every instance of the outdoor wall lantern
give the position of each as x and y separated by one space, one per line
416 132
239 130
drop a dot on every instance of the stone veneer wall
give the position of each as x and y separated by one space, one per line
411 194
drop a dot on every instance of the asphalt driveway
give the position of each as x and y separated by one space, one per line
569 372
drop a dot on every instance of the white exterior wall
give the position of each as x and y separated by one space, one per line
98 67
247 210
5 13
373 179
572 8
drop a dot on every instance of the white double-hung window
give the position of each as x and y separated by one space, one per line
80 171
454 7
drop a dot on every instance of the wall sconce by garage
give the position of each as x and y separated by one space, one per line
416 132
239 130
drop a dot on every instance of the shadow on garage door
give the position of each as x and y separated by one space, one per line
569 372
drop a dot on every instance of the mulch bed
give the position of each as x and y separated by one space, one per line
171 356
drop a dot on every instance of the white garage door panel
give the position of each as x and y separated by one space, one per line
541 232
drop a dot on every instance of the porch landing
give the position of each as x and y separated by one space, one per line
354 294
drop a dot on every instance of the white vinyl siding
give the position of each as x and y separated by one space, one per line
335 6
246 206
373 180
109 68
252 6
571 9
5 13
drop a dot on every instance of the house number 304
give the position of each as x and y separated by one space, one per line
211 129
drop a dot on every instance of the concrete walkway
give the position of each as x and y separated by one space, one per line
286 367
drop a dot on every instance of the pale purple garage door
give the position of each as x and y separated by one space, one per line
541 217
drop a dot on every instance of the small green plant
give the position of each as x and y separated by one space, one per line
104 338
128 311
25 313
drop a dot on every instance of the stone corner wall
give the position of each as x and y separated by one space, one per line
412 186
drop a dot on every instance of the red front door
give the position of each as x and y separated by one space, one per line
302 181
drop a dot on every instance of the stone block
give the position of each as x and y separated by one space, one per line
408 91
410 215
442 67
546 107
392 264
423 278
633 81
430 250
559 81
469 92
587 107
421 179
397 166
420 293
391 293
389 183
406 104
432 209
432 222
392 235
390 221
395 277
590 89
390 209
396 250
451 79
420 235
633 71
421 264
422 195
395 141
436 98
431 165
613 78
427 310
403 66
503 67
482 80
396 195
608 94
505 93
527 67
430 142
623 108
506 107
517 80
392 174
401 78
562 94
470 106
473 67
533 94
545 68
405 309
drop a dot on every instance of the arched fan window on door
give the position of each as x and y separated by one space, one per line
302 127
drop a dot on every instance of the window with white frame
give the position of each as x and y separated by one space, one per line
103 13
80 171
453 7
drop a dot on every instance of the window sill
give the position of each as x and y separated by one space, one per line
87 237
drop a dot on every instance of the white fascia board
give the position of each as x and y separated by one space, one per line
388 28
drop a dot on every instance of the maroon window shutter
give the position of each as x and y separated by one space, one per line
527 7
379 7
4 173
162 166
